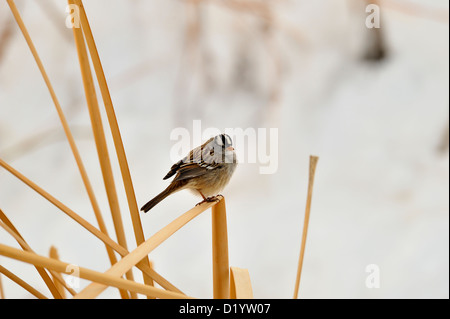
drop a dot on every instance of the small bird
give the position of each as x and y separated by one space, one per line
206 170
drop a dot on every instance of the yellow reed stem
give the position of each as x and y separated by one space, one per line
52 285
9 227
21 283
221 275
53 253
100 140
107 240
67 131
144 249
104 238
2 293
115 131
312 170
87 274
240 284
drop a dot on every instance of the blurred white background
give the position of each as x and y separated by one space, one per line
372 104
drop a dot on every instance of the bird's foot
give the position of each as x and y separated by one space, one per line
209 200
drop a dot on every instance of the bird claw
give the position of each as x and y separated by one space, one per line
209 200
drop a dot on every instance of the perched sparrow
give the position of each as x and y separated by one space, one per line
207 169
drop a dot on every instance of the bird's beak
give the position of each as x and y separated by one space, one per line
230 148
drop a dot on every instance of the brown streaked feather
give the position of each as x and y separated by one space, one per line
189 171
193 164
173 187
173 169
205 170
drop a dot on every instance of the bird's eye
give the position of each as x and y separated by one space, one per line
224 142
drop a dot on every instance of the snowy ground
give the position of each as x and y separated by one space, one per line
381 189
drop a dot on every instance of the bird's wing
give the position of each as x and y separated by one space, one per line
194 164
190 170
173 169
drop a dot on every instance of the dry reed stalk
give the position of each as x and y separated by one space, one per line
312 170
240 284
87 274
221 274
104 238
21 283
66 127
53 253
57 278
52 285
145 248
115 131
2 293
6 224
100 140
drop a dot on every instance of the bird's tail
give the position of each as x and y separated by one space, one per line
173 187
